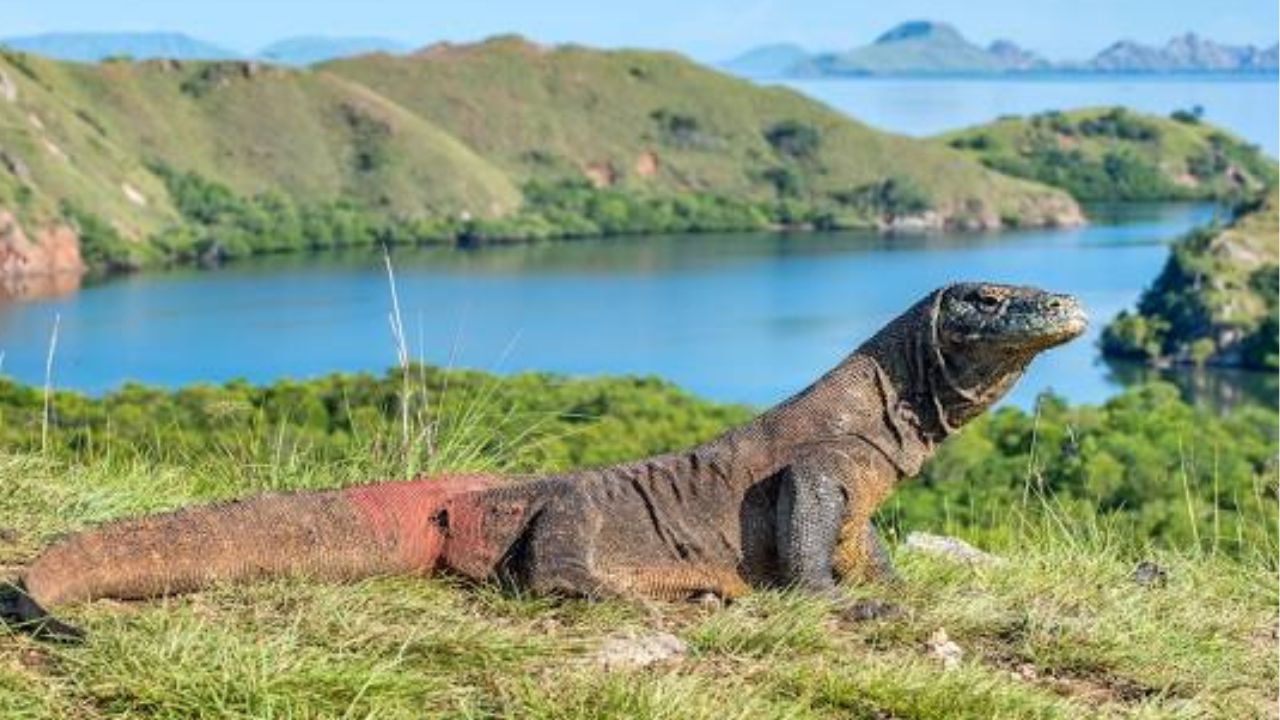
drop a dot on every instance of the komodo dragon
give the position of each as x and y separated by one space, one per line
784 500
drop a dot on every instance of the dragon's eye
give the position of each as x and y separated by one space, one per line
985 301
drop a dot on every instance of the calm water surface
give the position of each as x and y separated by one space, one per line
747 318
1248 106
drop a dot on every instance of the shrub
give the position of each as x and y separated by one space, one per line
1190 117
793 139
1121 124
981 141
681 129
891 197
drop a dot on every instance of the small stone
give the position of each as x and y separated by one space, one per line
8 89
1025 671
639 652
134 195
1150 574
35 659
709 601
15 166
949 548
941 647
869 609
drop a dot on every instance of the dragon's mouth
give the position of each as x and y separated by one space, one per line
1066 320
1065 323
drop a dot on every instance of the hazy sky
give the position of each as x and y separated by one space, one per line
706 29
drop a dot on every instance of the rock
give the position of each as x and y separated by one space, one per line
601 174
1149 574
8 90
639 652
15 166
941 647
870 609
55 150
133 194
647 164
926 222
710 601
949 548
1025 671
54 250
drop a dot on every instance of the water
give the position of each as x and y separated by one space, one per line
748 318
1247 105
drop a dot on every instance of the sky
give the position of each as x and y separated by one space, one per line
708 30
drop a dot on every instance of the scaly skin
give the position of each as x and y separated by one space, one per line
784 500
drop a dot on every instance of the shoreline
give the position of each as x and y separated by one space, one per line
43 285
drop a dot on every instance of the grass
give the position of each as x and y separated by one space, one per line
1059 630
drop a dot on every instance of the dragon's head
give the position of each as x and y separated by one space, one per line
985 334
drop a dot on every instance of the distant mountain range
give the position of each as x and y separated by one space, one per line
95 47
311 49
922 47
918 47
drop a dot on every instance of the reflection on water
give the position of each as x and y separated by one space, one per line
736 317
44 286
1219 389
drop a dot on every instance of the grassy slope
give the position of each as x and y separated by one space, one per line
292 132
1030 147
1059 631
53 153
538 111
1246 246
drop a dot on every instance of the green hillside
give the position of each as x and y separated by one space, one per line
1118 154
1216 300
312 137
656 122
165 161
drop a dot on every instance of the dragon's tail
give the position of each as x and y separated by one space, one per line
386 528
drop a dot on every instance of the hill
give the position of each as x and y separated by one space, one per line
920 47
1185 53
164 161
87 146
311 49
654 121
94 47
767 60
1215 301
1118 154
925 47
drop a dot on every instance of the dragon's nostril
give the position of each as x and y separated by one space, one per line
1055 303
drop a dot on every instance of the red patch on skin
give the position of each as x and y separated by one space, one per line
480 530
405 515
